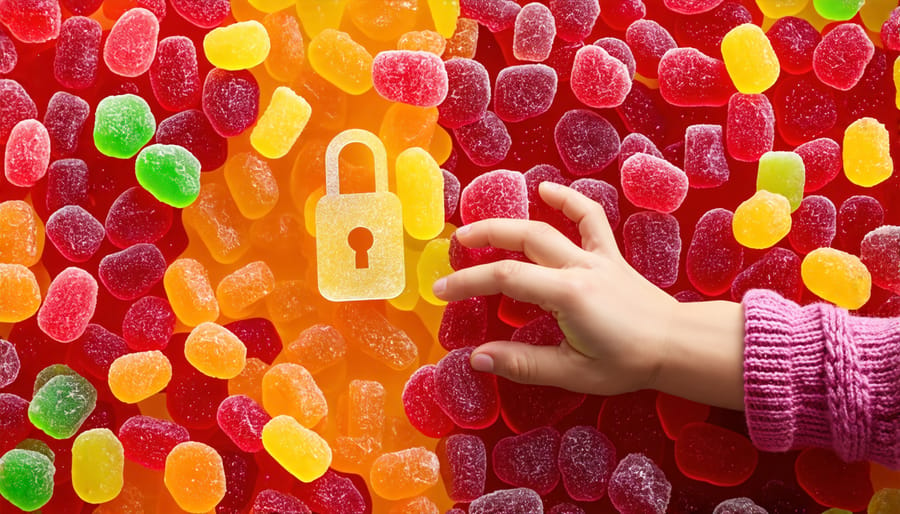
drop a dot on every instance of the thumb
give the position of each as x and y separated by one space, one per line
525 363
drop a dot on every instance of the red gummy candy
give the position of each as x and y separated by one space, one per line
148 441
535 29
463 460
519 500
565 508
242 420
411 77
822 160
794 41
813 224
31 21
523 92
598 79
27 153
638 486
77 53
586 141
8 55
451 194
496 194
75 234
687 78
486 142
67 184
69 305
468 93
464 323
648 41
806 109
890 31
705 31
604 194
205 14
132 272
691 6
131 44
778 270
64 119
674 412
81 7
630 422
653 246
619 14
528 460
704 156
421 407
174 75
857 216
269 501
15 106
191 130
148 324
230 100
714 454
750 127
636 143
259 336
333 493
466 396
840 59
97 348
586 462
9 363
240 479
14 424
496 15
574 18
833 482
878 253
653 183
714 257
641 112
193 398
136 216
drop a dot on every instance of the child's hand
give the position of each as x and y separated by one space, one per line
621 330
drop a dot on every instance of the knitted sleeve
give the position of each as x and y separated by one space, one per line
818 376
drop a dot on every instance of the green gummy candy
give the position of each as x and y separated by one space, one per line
62 404
170 173
36 445
26 479
49 372
838 10
123 125
782 173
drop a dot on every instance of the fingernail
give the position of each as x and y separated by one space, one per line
440 285
463 230
482 362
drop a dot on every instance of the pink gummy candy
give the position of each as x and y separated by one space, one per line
77 56
420 404
486 142
890 30
27 153
534 31
805 109
598 79
512 501
69 305
636 143
794 41
496 194
813 224
242 420
15 106
136 216
822 160
688 78
649 41
704 156
67 184
857 216
174 75
528 460
464 323
653 246
524 91
411 77
496 15
463 466
586 461
131 44
191 130
565 508
691 6
8 55
451 194
148 324
840 59
604 194
205 14
75 234
652 183
750 127
714 257
9 363
64 119
468 397
230 100
148 441
574 18
878 253
468 93
778 270
619 49
706 31
31 21
586 141
638 486
132 272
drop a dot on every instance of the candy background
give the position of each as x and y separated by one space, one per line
358 376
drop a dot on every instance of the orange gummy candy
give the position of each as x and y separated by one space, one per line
215 351
404 474
318 347
289 389
377 337
249 380
238 292
190 293
195 476
20 295
215 217
21 234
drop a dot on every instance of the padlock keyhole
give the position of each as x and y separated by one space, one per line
360 239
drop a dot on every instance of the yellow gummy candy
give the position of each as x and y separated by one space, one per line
190 294
750 59
762 220
98 465
342 61
215 351
420 186
134 377
838 277
383 20
867 152
409 298
318 15
434 263
269 6
238 46
444 13
885 501
780 8
281 123
302 452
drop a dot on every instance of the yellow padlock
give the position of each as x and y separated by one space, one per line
359 236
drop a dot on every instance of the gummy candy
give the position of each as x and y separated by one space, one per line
528 460
586 142
67 184
840 58
586 459
137 376
783 173
653 246
420 404
714 454
507 500
131 44
174 75
739 506
762 220
463 460
822 161
195 476
467 396
523 92
269 501
65 116
421 192
778 270
122 125
9 363
486 142
653 183
813 224
238 46
866 155
750 59
98 464
649 42
26 479
414 78
750 128
31 22
148 441
403 474
496 194
62 404
301 451
836 276
704 156
688 78
598 79
192 131
15 106
97 348
806 109
832 481
837 9
342 61
857 216
705 31
794 40
535 29
638 485
21 296
290 389
202 13
496 15
714 257
68 305
242 420
132 272
376 336
27 153
618 49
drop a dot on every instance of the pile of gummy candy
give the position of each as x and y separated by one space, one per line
192 319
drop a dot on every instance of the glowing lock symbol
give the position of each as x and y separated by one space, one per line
359 236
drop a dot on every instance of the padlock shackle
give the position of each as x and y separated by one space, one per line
333 154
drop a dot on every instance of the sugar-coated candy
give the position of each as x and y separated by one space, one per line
289 389
837 9
288 51
813 224
242 420
215 351
96 350
822 161
9 363
857 216
528 460
705 31
463 42
21 296
405 473
230 100
333 493
713 454
467 396
237 46
586 142
174 74
794 40
269 501
98 465
486 142
123 125
890 30
586 461
691 6
239 291
837 277
840 58
648 41
302 452
67 184
65 116
406 126
883 501
192 131
416 505
192 397
15 105
68 305
524 91
508 501
866 152
26 479
653 246
14 423
496 15
131 44
762 220
21 233
778 270
8 55
704 156
599 79
714 257
496 194
75 64
876 252
739 506
341 61
27 153
62 404
783 173
464 323
377 337
148 440
565 508
137 217
317 348
75 233
260 337
638 485
280 124
750 59
195 476
534 31
688 78
750 127
191 295
170 173
574 18
422 41
131 273
51 371
618 49
641 112
805 109
134 377
203 13
653 183
420 404
420 188
252 184
463 459
31 21
411 77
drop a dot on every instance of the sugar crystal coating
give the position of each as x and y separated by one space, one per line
599 79
97 349
132 272
98 465
649 42
463 466
403 474
415 78
123 125
512 501
524 91
467 396
170 173
878 254
192 131
704 156
64 119
857 216
203 13
9 363
586 141
35 21
67 184
134 377
840 58
486 142
420 404
794 40
496 194
195 476
739 506
62 404
68 305
688 78
535 29
230 100
27 153
653 246
496 15
75 233
751 62
637 485
131 44
148 440
822 162
174 74
242 420
15 105
813 224
26 479
528 460
269 501
837 277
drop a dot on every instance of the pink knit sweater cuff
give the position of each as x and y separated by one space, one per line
817 376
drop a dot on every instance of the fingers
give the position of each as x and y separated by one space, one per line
528 364
540 242
520 280
596 234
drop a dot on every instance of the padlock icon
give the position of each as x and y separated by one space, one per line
373 270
